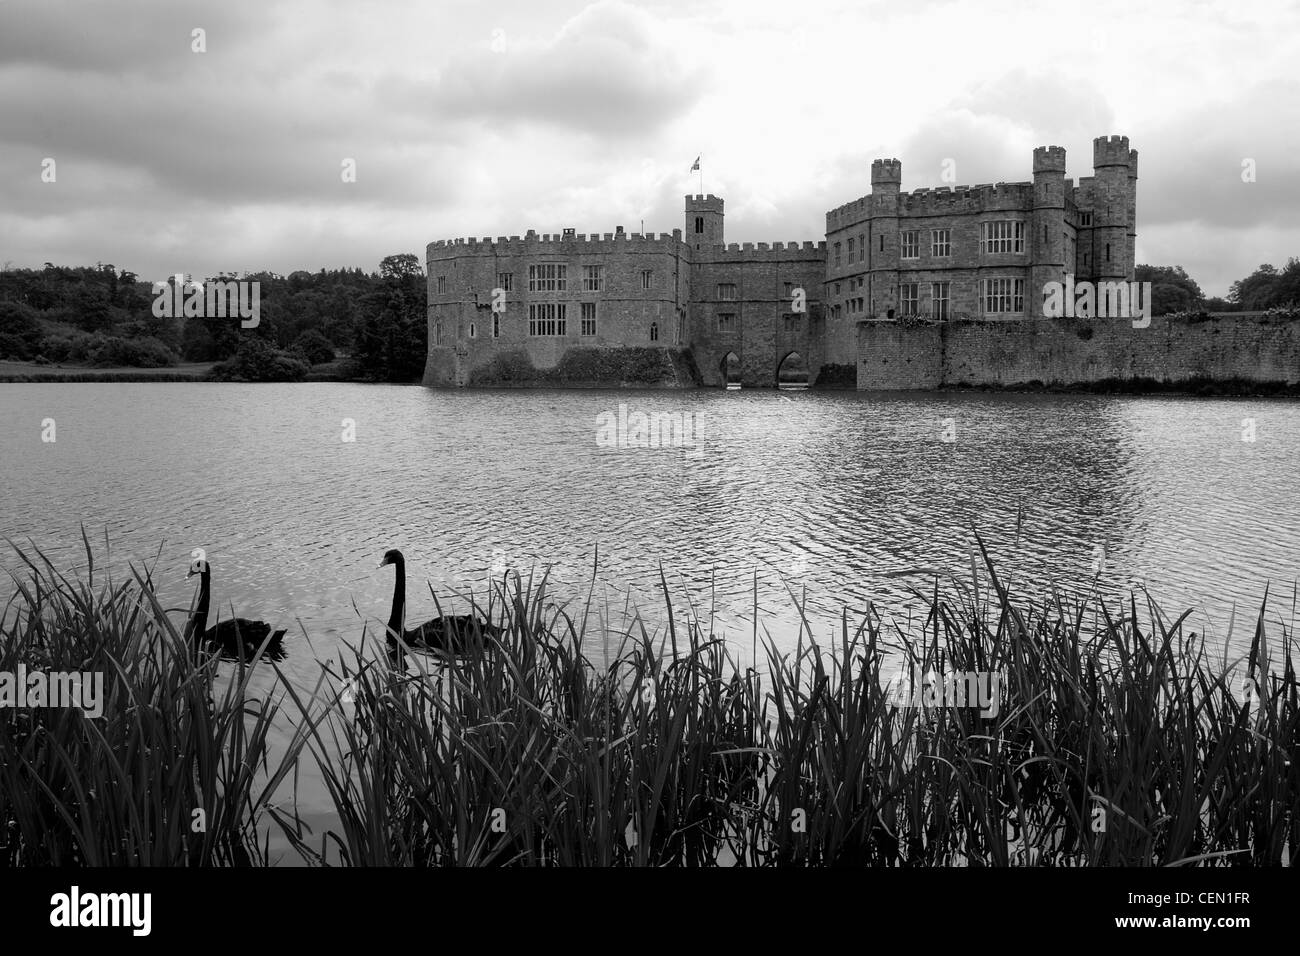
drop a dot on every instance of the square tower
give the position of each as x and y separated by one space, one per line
703 221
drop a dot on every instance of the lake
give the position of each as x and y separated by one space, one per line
843 497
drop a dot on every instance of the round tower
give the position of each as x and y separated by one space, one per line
1110 218
886 179
1047 243
703 221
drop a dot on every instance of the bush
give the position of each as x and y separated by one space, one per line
259 361
14 347
111 351
314 347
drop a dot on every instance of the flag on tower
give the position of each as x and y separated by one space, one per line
696 165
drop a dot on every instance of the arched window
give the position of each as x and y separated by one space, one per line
654 331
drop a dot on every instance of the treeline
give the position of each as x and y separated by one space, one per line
369 325
1173 290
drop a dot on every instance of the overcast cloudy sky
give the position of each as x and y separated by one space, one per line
470 118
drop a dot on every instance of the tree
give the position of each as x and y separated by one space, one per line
315 347
400 267
1256 290
1172 289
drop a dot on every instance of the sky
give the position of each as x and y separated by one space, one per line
231 149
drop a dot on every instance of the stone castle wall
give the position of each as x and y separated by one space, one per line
1063 352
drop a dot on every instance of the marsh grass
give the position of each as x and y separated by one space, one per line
174 772
566 741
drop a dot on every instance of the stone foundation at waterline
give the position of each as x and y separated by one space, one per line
1066 352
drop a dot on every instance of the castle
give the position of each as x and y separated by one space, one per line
742 311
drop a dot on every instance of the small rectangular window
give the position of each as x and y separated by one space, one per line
941 243
910 244
592 278
726 322
727 291
646 277
442 285
506 281
699 224
588 318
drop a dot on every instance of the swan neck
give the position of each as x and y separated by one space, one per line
399 597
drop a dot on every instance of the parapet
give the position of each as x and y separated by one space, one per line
886 172
848 214
945 201
760 252
1049 159
709 203
557 243
1110 151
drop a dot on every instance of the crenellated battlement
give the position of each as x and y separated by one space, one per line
698 203
1110 151
886 172
1049 159
937 201
764 252
959 200
555 243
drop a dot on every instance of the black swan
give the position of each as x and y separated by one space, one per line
449 633
231 636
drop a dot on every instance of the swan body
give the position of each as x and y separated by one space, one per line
234 637
451 633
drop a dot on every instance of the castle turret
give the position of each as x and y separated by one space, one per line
1110 220
704 221
886 178
1047 242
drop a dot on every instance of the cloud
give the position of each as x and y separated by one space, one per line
611 70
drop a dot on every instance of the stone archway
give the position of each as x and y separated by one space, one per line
792 371
729 368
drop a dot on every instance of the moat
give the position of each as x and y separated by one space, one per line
854 496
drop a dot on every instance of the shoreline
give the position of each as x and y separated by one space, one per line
1196 388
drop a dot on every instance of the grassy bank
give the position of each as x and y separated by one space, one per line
1119 740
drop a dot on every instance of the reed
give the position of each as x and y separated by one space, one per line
173 772
566 740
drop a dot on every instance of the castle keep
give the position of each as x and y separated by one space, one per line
742 312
